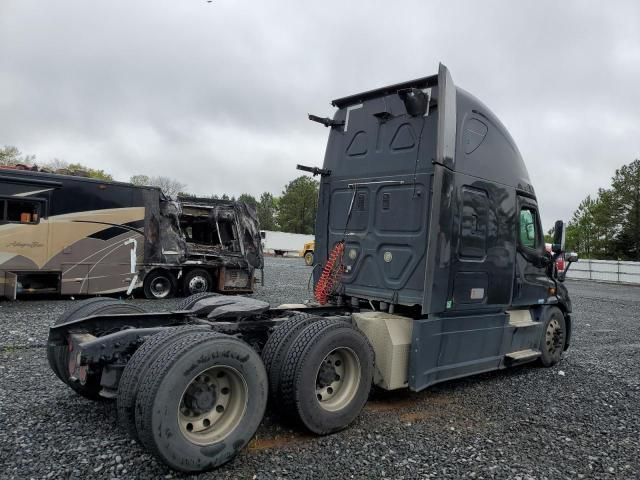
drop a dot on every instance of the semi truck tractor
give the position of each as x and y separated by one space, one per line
431 266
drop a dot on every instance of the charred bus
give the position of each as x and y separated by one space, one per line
70 235
433 268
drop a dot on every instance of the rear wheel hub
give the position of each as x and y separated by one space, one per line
338 379
200 398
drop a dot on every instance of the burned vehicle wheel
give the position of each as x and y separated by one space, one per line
327 375
59 354
197 281
159 284
553 337
136 370
275 350
201 401
308 258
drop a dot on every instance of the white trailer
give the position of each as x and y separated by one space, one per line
283 243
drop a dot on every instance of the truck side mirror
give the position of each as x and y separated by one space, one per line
571 257
558 237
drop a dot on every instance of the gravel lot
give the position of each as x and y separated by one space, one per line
580 419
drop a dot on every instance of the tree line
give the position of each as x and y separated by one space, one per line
607 225
10 156
293 211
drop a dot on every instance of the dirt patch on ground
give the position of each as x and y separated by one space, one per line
259 444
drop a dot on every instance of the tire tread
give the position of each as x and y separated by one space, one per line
191 300
294 356
155 375
135 371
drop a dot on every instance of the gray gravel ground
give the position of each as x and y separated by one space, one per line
580 419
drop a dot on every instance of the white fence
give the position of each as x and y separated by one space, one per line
606 271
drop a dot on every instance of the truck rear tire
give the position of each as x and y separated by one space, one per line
201 401
191 300
554 334
327 376
159 284
196 281
60 354
275 350
136 370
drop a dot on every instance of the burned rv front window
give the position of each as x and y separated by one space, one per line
19 211
209 229
528 227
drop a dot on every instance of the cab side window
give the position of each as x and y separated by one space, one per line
529 233
19 211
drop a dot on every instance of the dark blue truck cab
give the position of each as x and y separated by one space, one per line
432 200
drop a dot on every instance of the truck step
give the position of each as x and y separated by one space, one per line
521 319
523 355
523 323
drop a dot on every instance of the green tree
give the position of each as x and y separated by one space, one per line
169 186
580 235
79 170
297 206
56 164
625 187
267 211
141 180
608 226
548 237
249 200
10 155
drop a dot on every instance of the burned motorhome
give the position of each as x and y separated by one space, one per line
213 245
79 236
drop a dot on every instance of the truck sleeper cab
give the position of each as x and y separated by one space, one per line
433 262
439 220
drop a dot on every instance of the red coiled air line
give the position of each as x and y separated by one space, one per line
330 275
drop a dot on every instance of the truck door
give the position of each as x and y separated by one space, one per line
531 282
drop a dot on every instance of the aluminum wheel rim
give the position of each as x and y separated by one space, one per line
228 403
198 284
160 287
554 336
336 393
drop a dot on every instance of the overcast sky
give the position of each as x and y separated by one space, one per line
216 94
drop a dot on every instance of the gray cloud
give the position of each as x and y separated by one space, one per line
216 94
